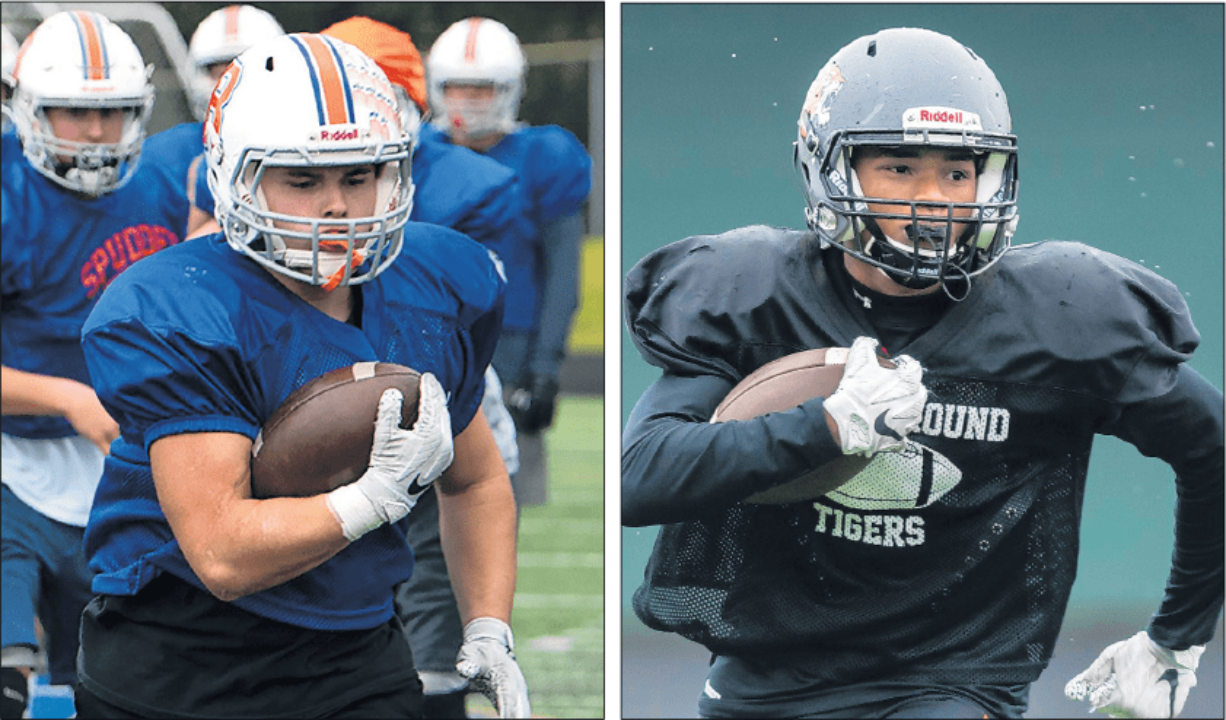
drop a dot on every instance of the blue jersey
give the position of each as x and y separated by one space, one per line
179 151
555 173
59 251
203 339
469 192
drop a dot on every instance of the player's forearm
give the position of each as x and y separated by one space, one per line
236 544
26 393
676 465
1185 429
477 526
259 544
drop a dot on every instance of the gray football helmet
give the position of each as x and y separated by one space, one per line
908 87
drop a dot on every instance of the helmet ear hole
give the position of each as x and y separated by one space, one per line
268 65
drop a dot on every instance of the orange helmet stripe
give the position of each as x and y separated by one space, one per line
93 51
333 101
470 43
231 18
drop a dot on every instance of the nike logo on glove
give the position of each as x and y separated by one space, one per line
884 430
416 488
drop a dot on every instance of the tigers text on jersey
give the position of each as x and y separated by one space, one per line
203 339
59 251
950 562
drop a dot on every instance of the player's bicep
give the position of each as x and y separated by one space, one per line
197 477
477 460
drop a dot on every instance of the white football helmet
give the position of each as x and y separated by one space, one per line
477 51
82 60
219 38
306 100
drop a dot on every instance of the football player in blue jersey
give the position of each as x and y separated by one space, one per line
466 191
932 584
284 606
78 209
475 74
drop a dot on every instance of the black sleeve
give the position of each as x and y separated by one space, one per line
676 465
1184 429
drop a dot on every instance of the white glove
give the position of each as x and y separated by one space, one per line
403 463
487 659
1138 678
874 407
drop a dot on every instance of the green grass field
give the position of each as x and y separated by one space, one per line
559 599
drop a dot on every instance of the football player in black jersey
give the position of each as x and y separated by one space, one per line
933 584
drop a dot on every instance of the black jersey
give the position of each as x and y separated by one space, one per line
951 562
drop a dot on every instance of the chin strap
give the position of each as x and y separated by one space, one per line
359 257
901 265
964 282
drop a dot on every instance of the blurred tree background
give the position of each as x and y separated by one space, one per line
555 93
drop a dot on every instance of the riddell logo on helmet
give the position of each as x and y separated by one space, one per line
344 132
940 116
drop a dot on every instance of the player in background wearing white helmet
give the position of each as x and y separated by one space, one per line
219 38
8 59
480 197
475 73
895 595
284 606
79 207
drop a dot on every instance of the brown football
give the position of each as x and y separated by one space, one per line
320 437
782 385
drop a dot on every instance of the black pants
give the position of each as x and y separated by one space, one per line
397 704
175 651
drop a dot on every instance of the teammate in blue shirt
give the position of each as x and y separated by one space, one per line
284 606
79 208
475 75
933 583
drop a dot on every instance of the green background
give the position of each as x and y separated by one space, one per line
1118 110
